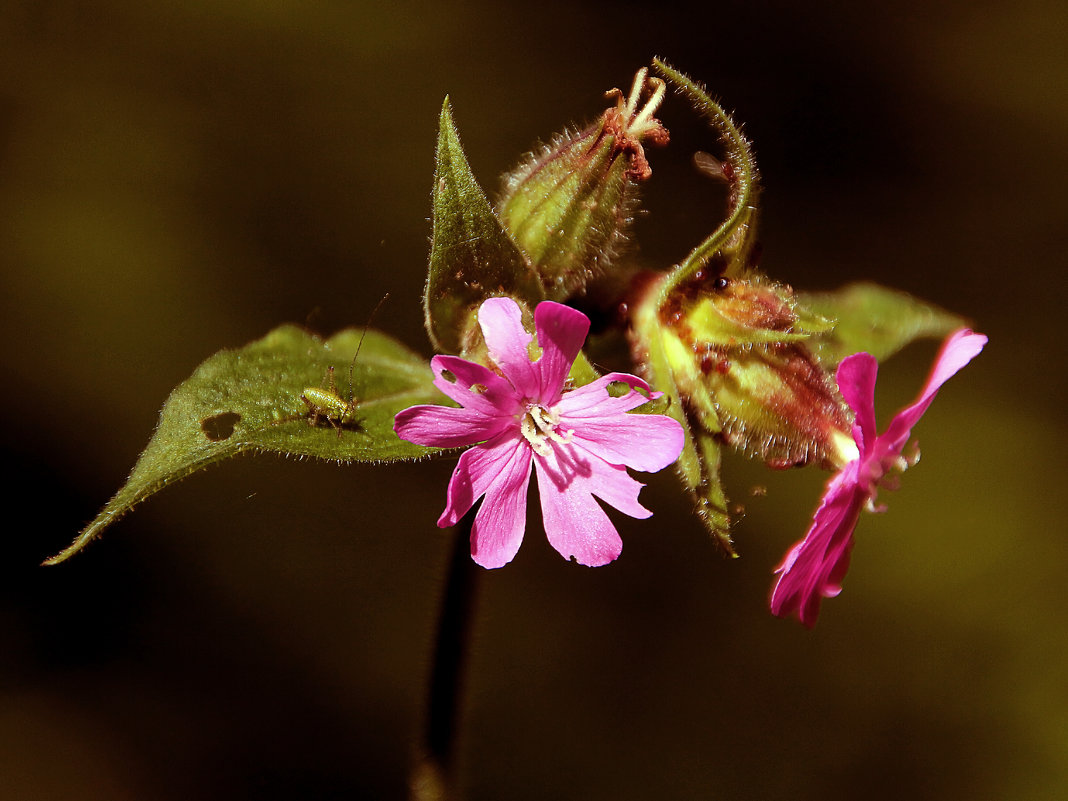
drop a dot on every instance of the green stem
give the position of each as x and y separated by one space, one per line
743 180
434 773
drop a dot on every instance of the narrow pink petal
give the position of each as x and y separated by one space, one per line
500 522
960 348
647 442
593 400
616 487
573 469
476 470
814 568
599 423
561 332
446 426
507 342
856 381
474 386
576 525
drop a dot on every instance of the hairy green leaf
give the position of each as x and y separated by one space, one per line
471 256
250 400
875 319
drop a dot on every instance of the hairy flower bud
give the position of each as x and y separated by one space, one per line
569 207
736 348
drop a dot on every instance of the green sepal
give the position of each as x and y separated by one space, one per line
874 319
569 210
472 258
708 323
582 372
698 465
249 399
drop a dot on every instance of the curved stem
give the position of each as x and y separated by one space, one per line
433 775
743 179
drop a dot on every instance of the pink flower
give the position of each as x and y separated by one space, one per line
581 440
814 567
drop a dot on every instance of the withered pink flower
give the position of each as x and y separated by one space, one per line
813 569
581 440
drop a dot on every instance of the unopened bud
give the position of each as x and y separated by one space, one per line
569 207
737 351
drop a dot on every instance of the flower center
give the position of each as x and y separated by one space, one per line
539 427
885 473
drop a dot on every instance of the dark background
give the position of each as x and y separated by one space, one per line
179 178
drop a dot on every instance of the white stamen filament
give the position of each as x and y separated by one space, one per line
539 426
641 122
635 93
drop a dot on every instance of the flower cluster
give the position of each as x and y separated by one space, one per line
581 440
813 569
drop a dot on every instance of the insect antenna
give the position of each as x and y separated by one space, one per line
359 345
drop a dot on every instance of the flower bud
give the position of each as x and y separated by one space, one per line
736 348
569 208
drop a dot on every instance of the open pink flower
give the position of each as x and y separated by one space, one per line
813 569
581 440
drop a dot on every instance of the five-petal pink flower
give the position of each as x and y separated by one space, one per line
581 440
813 569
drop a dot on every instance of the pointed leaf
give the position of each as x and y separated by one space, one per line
471 256
874 319
250 400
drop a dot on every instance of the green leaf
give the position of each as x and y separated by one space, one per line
250 400
471 256
874 319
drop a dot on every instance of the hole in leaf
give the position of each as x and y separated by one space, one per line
220 426
479 389
448 376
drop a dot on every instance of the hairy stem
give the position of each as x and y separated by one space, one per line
743 177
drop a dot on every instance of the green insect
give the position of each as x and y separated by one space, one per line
326 403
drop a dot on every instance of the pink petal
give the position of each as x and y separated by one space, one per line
476 470
474 386
507 342
577 526
447 427
959 349
600 425
561 333
593 399
574 522
814 568
647 442
856 381
500 522
572 469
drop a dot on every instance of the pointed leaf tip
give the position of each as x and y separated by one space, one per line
471 256
249 399
874 319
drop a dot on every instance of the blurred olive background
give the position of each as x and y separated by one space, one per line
181 177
